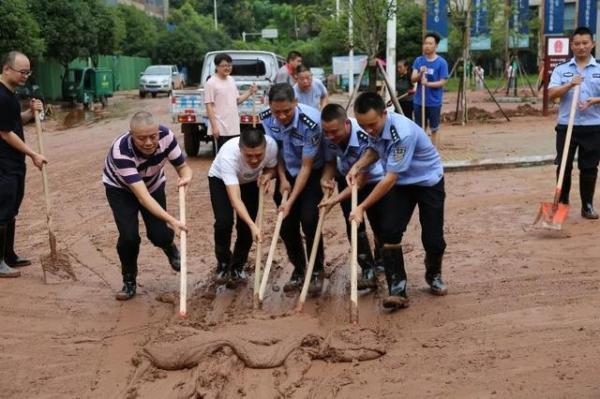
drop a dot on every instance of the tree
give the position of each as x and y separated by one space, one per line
19 29
141 32
409 29
110 28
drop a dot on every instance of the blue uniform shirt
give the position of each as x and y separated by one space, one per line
300 139
405 149
436 70
590 87
357 144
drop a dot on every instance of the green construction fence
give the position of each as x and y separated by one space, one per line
48 73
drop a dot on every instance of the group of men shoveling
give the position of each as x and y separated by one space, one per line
387 156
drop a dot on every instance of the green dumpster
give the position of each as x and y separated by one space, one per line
88 85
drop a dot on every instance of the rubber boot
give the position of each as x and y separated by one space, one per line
10 257
237 276
366 262
316 282
129 288
433 274
223 264
5 270
174 256
298 259
566 187
222 273
395 274
379 268
587 186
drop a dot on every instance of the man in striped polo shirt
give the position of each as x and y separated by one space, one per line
135 182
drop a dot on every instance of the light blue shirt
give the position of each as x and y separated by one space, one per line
405 149
590 87
312 96
302 138
358 142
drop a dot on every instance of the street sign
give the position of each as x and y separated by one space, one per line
557 51
269 33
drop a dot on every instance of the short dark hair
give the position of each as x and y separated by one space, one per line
368 101
402 61
252 138
302 68
583 30
333 112
222 57
435 36
10 57
281 92
292 55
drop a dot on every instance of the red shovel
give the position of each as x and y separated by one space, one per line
553 215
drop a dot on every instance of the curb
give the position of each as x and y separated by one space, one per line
498 163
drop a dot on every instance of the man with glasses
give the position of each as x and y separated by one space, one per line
13 150
222 98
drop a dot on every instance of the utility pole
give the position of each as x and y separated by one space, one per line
215 8
337 10
351 55
391 48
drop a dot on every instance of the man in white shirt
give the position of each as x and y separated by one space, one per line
243 166
222 98
309 91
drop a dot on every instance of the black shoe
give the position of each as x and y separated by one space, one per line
17 261
587 212
397 297
368 279
127 292
174 257
222 275
236 277
295 281
316 283
436 284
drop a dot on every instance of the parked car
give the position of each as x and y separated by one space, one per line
319 73
187 106
160 79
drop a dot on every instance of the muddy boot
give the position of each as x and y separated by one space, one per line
174 256
5 270
10 257
316 283
587 186
222 274
295 281
379 267
366 262
433 274
129 287
236 277
396 278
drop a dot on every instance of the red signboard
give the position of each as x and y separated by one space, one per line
557 51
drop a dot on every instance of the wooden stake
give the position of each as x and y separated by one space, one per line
354 262
183 254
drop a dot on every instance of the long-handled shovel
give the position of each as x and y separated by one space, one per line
257 264
554 214
183 252
423 123
267 269
55 261
354 261
311 260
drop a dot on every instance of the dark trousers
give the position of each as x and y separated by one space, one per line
224 214
396 208
12 190
586 141
125 207
407 108
305 214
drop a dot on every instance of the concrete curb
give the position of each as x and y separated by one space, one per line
498 163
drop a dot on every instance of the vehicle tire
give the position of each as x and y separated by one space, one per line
191 139
142 94
154 94
104 101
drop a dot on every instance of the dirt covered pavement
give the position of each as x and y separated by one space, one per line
520 321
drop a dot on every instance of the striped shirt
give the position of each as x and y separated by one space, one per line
126 165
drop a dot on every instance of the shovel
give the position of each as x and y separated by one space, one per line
55 262
354 261
183 254
553 215
257 264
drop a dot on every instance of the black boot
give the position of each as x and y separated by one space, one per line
222 275
587 186
316 282
433 274
365 260
396 277
129 287
236 277
174 256
566 187
378 261
5 270
295 281
10 257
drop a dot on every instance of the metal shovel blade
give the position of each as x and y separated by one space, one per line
552 215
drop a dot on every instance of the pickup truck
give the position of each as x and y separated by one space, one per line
187 106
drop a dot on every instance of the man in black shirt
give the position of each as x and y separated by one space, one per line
13 150
405 88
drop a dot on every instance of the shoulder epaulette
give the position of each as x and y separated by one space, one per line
265 114
307 121
394 133
362 136
564 62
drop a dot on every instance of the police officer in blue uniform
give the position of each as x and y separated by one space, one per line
584 71
297 130
347 142
414 176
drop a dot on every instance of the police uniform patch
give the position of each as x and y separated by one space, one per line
596 75
307 121
265 114
399 153
394 134
315 139
275 129
568 74
295 134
